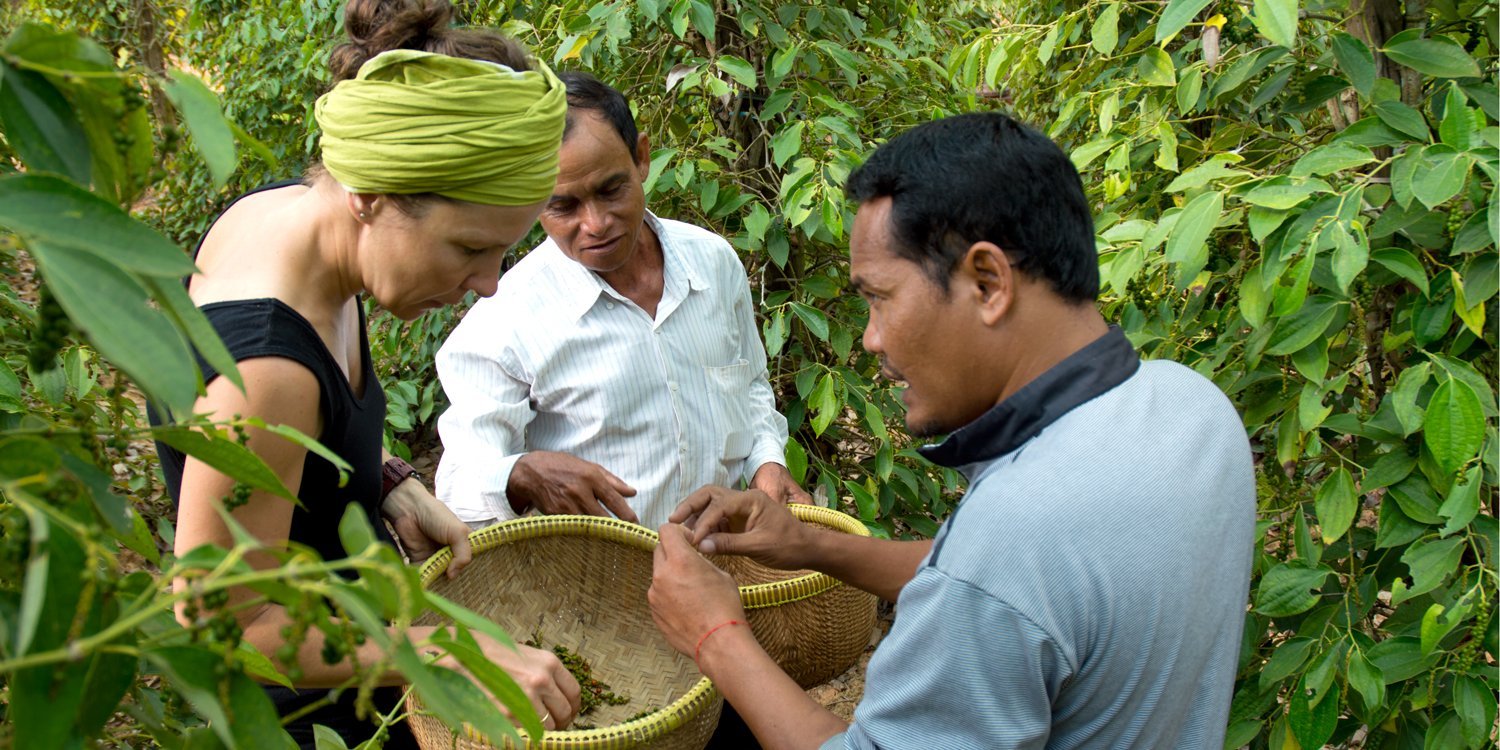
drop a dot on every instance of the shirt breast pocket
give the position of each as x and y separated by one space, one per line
730 384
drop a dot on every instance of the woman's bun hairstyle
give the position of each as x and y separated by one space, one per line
376 26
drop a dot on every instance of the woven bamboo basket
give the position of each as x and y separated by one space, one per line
814 626
581 582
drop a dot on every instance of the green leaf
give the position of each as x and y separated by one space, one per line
1403 119
1189 88
1088 152
1105 33
1356 60
815 320
258 666
307 442
1216 168
739 69
226 457
453 698
1312 725
1286 659
113 310
1048 44
1276 20
757 221
1431 562
1415 498
1454 424
1437 623
1439 57
355 532
825 403
469 619
499 683
1351 253
1399 659
1337 504
1187 247
704 20
1403 398
179 308
1475 704
41 126
1402 263
1286 589
787 143
1333 157
1319 677
1254 297
1441 177
1177 15
49 210
1461 505
245 720
876 422
1389 469
327 739
1301 329
213 138
796 460
1281 193
1155 67
1396 528
1457 128
1366 679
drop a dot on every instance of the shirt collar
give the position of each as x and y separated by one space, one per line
584 287
1085 374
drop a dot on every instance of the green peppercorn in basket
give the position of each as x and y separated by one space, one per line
580 582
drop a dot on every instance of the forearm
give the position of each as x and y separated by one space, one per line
879 566
265 632
778 711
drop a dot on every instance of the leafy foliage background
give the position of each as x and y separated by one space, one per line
1294 198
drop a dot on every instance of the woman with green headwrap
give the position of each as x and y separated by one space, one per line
439 147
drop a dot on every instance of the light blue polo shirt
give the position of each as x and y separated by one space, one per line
1090 589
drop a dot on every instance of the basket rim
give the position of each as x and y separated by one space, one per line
655 724
808 585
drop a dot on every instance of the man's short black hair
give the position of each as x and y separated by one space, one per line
984 177
587 92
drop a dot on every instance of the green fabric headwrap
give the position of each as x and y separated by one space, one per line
418 122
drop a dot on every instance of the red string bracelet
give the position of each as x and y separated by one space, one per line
710 632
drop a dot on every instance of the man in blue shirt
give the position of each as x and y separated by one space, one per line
1089 591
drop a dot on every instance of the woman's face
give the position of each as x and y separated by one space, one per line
417 262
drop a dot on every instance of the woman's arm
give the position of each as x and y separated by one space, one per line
280 391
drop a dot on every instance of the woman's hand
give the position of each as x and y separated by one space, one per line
425 525
540 674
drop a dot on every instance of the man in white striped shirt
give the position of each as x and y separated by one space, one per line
619 366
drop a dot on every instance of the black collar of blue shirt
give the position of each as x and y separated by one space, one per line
1085 374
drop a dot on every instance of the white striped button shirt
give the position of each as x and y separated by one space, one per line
558 360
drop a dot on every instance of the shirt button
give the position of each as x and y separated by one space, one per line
672 386
683 449
609 305
656 331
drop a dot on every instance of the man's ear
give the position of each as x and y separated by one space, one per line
363 206
643 155
993 280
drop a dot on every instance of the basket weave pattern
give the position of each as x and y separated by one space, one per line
580 582
813 625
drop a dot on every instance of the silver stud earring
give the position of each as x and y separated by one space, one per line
363 216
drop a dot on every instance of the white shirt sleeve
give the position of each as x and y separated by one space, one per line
768 425
484 428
